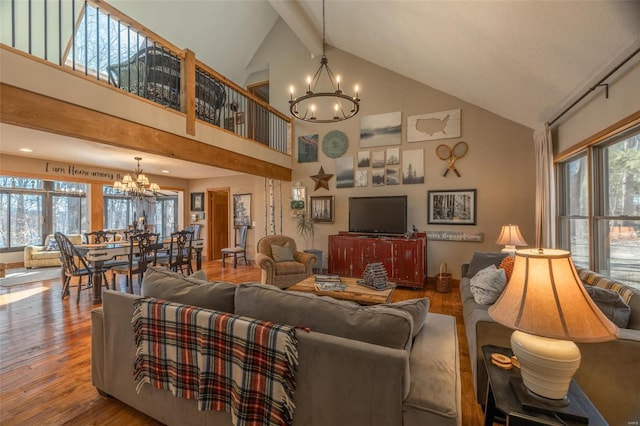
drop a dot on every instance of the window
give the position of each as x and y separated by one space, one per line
603 234
31 209
120 211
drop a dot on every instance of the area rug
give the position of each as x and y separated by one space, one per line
21 276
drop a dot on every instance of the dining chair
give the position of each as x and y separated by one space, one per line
98 237
74 265
240 248
143 249
180 248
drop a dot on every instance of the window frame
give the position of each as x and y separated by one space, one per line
598 173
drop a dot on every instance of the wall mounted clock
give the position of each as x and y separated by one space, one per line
334 144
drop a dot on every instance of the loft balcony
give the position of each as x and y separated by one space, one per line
70 65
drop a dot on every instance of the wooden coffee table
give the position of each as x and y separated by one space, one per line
354 291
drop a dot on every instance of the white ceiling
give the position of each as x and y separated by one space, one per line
523 60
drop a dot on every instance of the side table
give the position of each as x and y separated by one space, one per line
318 268
502 399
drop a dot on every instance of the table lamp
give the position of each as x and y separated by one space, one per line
510 237
546 304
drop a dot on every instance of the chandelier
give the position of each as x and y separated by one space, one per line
324 107
137 186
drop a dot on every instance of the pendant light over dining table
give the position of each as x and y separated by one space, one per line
324 100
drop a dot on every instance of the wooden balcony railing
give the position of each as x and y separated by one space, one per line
95 39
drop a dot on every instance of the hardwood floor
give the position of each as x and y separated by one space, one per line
45 354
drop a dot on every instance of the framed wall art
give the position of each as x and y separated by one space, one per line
452 207
242 209
197 201
322 209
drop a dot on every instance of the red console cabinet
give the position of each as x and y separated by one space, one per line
404 259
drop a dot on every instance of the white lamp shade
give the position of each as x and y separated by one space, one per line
510 236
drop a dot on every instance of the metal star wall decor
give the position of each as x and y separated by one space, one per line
321 179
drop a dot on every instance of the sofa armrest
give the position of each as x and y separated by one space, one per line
97 349
28 254
308 259
265 262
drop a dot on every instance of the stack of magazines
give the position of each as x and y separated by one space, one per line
329 283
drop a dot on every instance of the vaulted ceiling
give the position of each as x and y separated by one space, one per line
523 60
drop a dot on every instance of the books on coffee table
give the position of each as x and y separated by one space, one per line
329 283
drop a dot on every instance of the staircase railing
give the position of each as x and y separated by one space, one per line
97 40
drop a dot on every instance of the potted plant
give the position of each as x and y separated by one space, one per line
306 228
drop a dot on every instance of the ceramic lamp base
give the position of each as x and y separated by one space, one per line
547 365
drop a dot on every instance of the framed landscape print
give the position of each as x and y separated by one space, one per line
242 209
452 207
381 129
308 148
197 201
322 209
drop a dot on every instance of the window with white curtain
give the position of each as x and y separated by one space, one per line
599 207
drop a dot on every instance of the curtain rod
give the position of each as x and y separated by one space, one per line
598 84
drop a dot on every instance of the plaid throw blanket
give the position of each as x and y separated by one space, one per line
226 362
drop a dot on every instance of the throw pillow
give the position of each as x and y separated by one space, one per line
507 265
282 253
611 304
481 260
487 285
417 308
161 283
52 246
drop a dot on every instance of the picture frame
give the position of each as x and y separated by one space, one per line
322 209
242 210
452 207
197 201
239 118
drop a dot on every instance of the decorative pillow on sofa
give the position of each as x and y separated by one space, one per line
487 285
52 246
417 308
379 325
611 304
507 265
161 283
282 253
481 260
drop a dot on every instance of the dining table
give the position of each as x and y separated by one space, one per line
97 254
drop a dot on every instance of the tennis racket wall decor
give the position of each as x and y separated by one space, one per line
450 155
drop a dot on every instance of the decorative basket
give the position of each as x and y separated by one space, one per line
443 280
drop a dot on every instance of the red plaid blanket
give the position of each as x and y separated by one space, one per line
226 362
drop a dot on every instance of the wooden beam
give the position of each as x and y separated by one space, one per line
188 90
28 109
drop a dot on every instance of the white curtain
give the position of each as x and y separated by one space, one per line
545 188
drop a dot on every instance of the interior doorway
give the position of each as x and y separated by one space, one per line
218 222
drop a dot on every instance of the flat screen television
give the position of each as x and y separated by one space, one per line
378 215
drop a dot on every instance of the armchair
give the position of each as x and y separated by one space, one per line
284 273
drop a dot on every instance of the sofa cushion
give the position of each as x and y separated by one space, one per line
487 285
162 283
417 308
290 268
481 260
378 324
611 305
282 253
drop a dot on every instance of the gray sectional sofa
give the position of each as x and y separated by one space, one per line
609 372
382 365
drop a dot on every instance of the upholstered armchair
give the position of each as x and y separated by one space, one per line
281 263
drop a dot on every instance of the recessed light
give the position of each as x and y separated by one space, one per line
25 150
166 171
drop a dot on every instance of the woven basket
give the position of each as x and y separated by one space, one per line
443 280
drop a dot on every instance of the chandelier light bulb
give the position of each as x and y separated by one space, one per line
291 90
